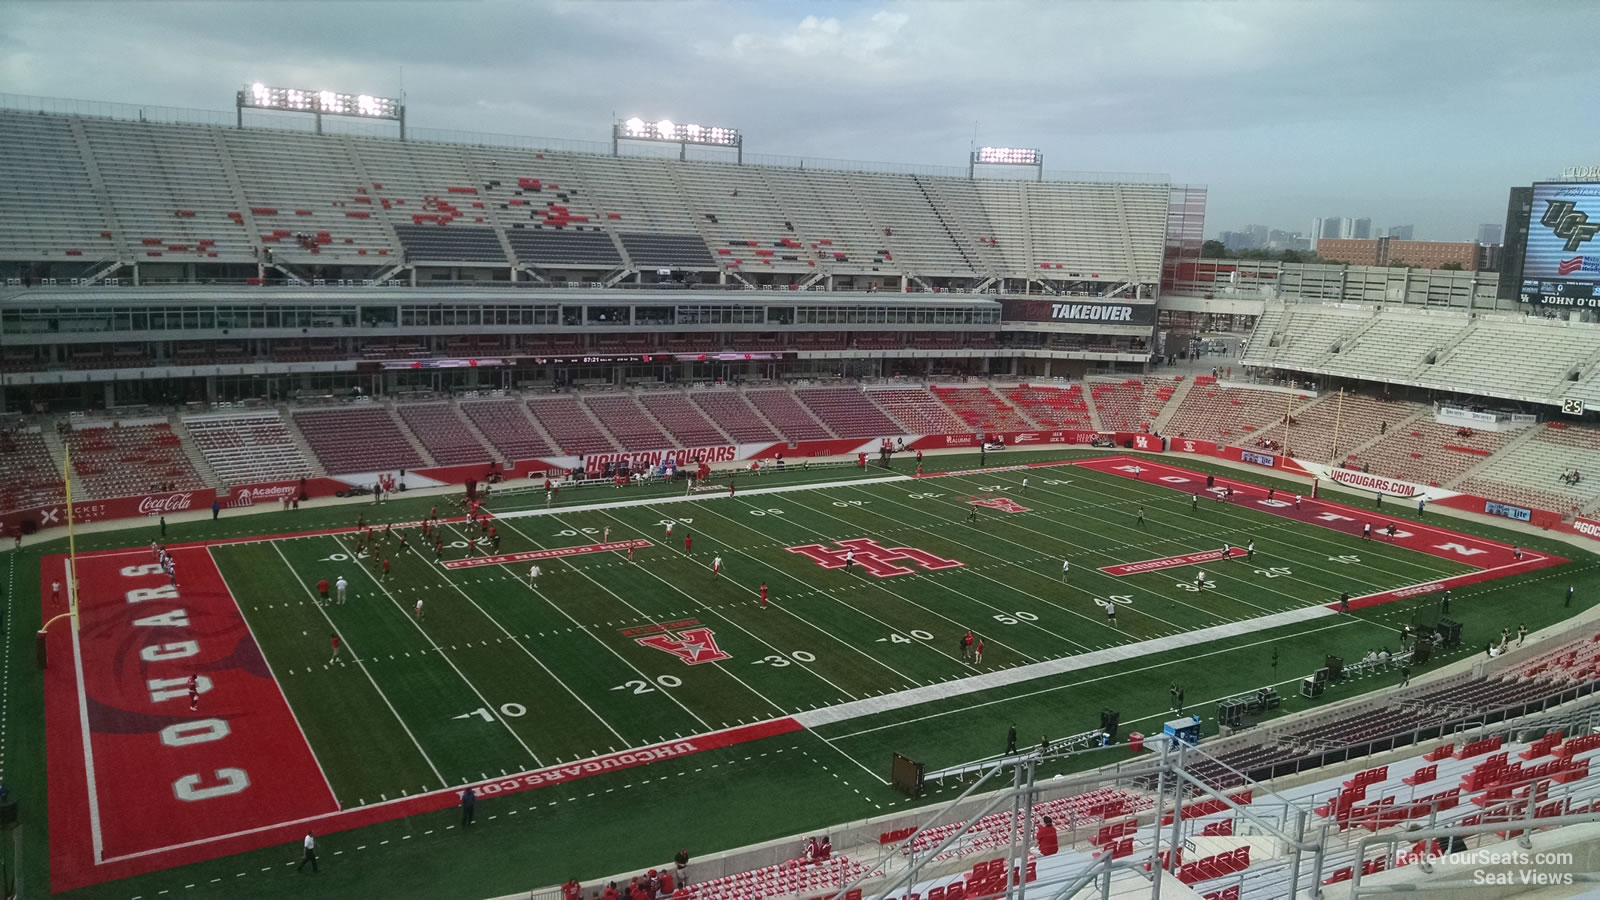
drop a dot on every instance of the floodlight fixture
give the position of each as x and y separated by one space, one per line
1006 156
319 103
666 131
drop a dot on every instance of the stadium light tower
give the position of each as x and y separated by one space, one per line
667 132
1006 156
319 103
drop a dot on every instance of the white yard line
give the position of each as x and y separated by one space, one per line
275 681
1004 677
358 662
708 610
647 618
693 498
828 595
783 608
83 719
443 655
585 630
520 645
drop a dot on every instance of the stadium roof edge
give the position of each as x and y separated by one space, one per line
278 121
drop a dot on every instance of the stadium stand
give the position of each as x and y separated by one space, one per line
164 185
123 460
1531 473
628 422
1232 414
298 184
734 413
848 412
980 409
569 425
455 244
52 211
1394 344
688 426
224 193
1334 421
358 438
507 428
1303 334
29 477
1476 363
249 447
787 415
1428 453
1130 405
1052 407
918 411
440 430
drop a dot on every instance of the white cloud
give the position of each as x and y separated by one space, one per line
873 40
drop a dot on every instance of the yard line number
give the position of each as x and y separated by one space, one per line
640 686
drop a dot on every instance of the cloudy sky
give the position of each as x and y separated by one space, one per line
1408 111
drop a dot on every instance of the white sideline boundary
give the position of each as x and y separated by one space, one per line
691 498
1004 677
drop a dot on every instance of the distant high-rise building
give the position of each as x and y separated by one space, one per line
1489 234
1258 236
1361 229
1403 232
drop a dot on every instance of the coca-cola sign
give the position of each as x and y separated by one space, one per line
161 504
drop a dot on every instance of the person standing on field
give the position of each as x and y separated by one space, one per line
334 639
339 588
311 854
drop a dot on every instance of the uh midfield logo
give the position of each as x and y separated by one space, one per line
1566 221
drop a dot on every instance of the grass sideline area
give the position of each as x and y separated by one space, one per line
558 651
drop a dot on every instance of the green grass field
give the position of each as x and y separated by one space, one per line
502 675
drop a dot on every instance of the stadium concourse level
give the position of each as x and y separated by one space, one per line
202 193
1524 729
1493 355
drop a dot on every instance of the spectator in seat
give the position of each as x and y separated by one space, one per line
825 849
1046 838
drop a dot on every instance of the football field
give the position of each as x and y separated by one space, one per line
459 667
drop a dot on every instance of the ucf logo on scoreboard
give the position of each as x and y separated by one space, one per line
1572 406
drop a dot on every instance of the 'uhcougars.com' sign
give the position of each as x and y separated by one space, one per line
1371 482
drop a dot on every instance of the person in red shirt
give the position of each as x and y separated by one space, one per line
978 654
322 588
966 645
572 890
334 639
688 543
1046 838
438 549
763 595
611 891
385 570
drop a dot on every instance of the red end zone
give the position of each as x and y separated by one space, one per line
152 773
1492 559
155 785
